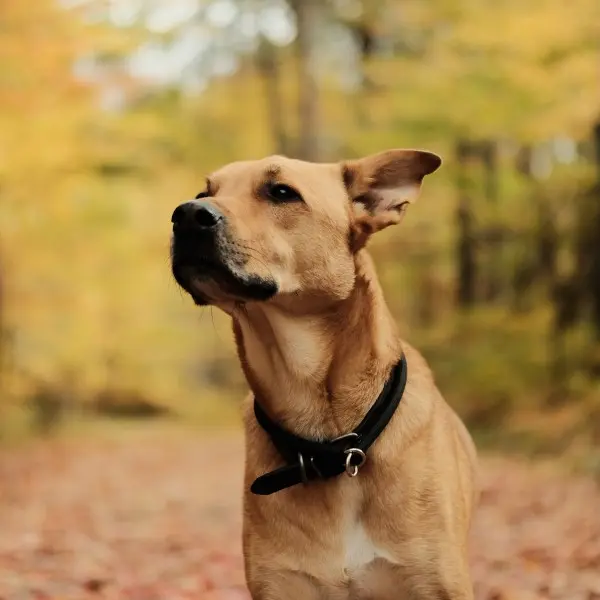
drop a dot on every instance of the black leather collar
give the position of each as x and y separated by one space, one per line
308 460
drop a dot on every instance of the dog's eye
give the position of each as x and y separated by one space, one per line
282 193
201 195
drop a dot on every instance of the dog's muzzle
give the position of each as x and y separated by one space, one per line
201 217
197 231
204 249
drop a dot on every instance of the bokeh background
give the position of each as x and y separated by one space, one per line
112 112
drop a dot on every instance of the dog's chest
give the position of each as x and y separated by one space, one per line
360 549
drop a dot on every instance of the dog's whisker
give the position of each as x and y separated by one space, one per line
253 254
212 316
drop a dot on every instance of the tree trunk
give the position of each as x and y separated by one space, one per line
2 333
5 342
269 68
466 256
494 246
547 241
594 269
308 99
466 262
489 154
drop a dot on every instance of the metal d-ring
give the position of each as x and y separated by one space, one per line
352 470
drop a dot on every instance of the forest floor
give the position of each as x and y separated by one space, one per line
157 517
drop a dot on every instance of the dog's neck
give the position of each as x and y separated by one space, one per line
319 374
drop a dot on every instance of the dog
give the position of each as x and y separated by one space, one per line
359 478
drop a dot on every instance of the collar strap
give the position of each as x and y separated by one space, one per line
308 460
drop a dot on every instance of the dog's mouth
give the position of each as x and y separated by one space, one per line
218 277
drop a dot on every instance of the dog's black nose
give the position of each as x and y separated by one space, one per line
197 215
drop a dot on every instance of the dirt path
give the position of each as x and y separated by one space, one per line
158 518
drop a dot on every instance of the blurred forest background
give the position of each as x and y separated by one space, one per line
113 111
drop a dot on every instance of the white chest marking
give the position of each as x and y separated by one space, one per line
360 549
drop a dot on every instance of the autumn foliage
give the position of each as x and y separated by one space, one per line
494 274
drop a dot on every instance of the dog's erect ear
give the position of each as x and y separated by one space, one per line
384 184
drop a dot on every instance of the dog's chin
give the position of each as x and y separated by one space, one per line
217 284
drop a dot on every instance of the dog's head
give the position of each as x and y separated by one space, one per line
287 231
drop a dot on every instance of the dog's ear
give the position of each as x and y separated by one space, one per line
382 185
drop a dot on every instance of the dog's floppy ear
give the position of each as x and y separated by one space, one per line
383 185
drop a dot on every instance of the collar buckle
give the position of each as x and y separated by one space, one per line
352 434
302 467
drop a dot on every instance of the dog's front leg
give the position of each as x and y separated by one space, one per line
384 580
445 580
440 590
292 585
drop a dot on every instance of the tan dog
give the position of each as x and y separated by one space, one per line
278 244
